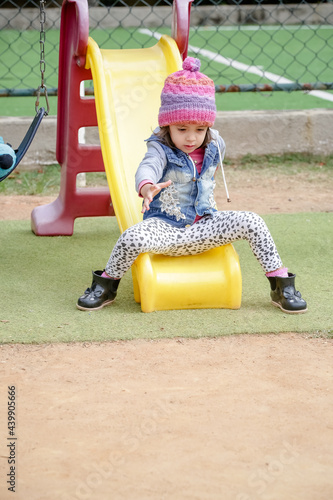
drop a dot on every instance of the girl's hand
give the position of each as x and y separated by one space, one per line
148 192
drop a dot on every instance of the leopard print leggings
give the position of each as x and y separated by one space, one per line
156 236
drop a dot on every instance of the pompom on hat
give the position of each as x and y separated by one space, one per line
188 96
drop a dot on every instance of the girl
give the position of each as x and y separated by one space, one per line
176 181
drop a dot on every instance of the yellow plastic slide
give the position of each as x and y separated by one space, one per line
127 86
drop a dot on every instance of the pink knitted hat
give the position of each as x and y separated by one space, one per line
188 97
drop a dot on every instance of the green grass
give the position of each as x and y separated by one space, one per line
265 101
288 163
296 53
42 277
46 180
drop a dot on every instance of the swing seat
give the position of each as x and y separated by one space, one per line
128 84
25 144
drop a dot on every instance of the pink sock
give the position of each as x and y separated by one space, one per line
283 273
104 275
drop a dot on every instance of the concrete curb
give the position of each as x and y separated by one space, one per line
211 15
276 132
245 132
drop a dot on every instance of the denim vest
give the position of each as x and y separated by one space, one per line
190 194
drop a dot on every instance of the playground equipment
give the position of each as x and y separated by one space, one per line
127 88
27 140
40 112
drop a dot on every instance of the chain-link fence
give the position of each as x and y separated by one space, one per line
242 44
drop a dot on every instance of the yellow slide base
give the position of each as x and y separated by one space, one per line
127 85
206 281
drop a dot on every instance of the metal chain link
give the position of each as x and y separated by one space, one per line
251 39
42 63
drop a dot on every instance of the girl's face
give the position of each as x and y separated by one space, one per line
187 137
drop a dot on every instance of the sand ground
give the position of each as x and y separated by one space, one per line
233 418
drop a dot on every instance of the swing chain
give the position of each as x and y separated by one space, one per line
42 63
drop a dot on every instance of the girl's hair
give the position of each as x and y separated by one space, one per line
164 135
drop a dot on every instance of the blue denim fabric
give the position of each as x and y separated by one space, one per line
190 194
